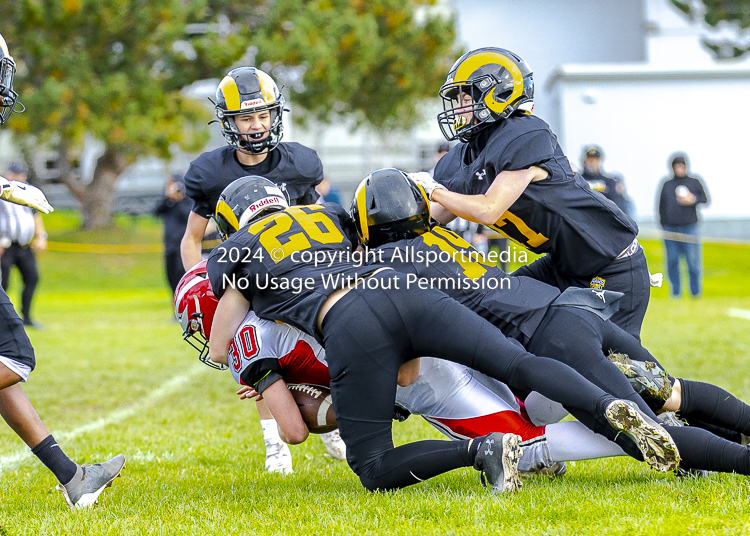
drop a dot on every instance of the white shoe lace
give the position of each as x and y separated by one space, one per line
335 446
278 458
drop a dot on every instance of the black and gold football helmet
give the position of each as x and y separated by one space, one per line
247 90
389 206
498 83
8 97
247 199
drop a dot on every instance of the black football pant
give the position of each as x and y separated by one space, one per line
14 343
629 276
581 339
24 258
371 332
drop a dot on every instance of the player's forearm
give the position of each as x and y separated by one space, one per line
190 251
476 208
229 314
292 428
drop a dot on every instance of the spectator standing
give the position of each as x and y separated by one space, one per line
174 210
678 213
610 186
21 235
327 192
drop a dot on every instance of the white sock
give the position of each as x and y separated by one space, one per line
542 410
270 431
571 441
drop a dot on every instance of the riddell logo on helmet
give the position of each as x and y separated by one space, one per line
251 103
265 201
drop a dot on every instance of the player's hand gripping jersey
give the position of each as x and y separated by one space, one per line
560 215
270 262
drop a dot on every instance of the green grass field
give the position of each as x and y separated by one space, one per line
114 376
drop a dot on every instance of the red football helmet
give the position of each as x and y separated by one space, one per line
195 306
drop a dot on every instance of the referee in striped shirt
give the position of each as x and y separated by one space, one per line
21 234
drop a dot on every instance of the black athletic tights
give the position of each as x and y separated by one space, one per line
581 339
370 332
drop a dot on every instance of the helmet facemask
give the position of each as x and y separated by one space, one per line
255 142
8 97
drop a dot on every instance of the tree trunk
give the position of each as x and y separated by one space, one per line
97 198
98 203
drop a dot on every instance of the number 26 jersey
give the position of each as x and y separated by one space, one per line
288 263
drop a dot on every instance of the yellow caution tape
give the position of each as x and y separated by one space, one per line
119 249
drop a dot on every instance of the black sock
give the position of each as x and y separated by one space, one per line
474 448
714 405
52 456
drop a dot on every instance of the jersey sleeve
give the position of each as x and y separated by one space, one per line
194 181
222 271
529 149
261 373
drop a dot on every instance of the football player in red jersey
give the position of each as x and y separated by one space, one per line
195 305
510 174
80 485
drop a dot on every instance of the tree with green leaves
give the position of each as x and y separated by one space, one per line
115 71
713 13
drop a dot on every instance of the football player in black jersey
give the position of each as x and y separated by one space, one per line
572 328
80 485
511 175
250 108
371 324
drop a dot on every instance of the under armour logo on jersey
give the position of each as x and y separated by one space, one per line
600 293
488 443
481 175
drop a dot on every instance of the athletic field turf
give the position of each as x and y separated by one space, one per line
114 376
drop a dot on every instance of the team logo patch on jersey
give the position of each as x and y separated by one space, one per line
597 283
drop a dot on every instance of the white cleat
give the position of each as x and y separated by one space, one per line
335 446
278 458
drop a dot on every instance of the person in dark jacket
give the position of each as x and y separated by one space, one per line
678 215
174 209
609 185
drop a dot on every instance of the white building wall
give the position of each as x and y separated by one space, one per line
641 115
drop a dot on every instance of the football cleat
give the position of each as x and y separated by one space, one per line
670 419
656 445
90 480
498 459
553 470
335 446
278 457
646 377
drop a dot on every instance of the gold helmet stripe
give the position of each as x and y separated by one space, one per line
361 196
426 198
4 47
472 63
226 211
231 94
267 86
